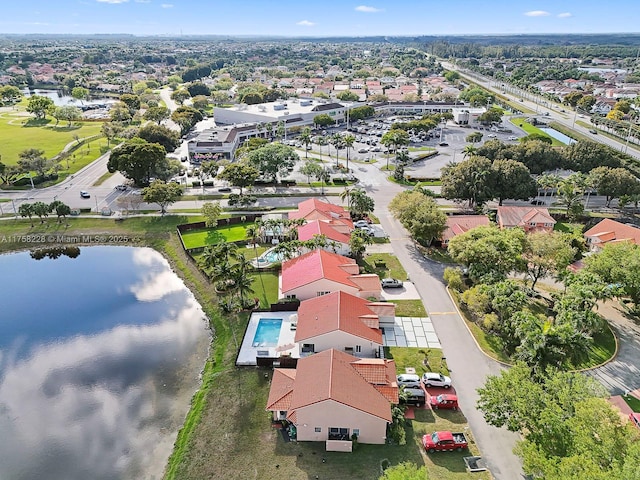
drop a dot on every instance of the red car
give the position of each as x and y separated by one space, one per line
444 401
444 442
634 418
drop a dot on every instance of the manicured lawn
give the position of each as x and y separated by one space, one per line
20 132
409 308
633 402
385 265
422 359
602 349
268 294
211 236
530 129
575 228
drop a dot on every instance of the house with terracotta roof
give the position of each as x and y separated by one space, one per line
319 272
458 224
341 321
331 396
338 241
314 209
530 219
609 231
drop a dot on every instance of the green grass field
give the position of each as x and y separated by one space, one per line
384 265
20 131
211 236
530 129
421 359
409 308
268 294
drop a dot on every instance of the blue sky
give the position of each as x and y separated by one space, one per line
319 18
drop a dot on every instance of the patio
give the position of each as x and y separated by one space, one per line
410 332
283 342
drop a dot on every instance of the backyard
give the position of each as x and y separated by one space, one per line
211 236
385 265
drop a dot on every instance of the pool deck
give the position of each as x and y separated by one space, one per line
286 344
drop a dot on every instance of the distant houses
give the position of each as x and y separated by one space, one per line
530 219
609 231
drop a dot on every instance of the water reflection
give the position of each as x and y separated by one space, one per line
105 404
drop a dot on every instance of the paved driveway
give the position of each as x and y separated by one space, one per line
408 291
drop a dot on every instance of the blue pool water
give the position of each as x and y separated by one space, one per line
267 333
271 256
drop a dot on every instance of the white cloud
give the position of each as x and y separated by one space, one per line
112 1
142 1
367 9
537 13
565 15
167 5
305 23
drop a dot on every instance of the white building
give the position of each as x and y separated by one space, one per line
467 115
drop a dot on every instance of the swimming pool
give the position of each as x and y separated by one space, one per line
267 333
271 256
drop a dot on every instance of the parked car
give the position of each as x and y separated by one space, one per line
444 401
84 194
361 223
414 396
224 189
513 137
433 379
492 135
409 380
363 150
368 230
391 283
443 144
634 418
444 442
121 187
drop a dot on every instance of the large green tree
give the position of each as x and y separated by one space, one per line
614 182
489 252
420 215
323 120
164 194
618 264
240 174
39 106
473 180
164 136
273 159
156 114
33 159
138 160
547 253
513 181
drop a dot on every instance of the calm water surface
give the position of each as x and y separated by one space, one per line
99 358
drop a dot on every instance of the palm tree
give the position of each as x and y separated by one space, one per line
348 144
338 143
346 194
305 137
243 284
26 210
469 151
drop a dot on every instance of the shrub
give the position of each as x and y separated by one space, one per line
196 183
454 279
490 322
208 183
477 301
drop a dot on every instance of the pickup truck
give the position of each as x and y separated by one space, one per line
444 442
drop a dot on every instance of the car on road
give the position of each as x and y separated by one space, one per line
593 131
492 135
360 223
409 380
391 283
224 189
84 194
121 187
443 144
444 401
433 379
513 137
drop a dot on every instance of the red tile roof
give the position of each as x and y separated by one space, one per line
521 216
457 224
313 209
331 375
317 265
336 311
611 231
321 227
281 389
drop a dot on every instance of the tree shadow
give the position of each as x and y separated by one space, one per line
36 122
64 128
214 237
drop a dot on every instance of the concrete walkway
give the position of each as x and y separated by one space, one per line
411 332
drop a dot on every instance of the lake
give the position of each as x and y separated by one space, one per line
100 353
61 100
552 132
